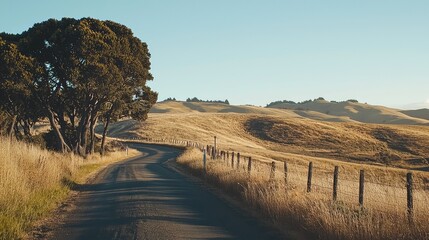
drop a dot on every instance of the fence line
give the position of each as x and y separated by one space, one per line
210 152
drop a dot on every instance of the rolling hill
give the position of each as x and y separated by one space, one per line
355 111
287 134
419 113
174 107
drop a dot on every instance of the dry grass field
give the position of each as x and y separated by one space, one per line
385 151
315 213
34 181
360 112
420 113
284 135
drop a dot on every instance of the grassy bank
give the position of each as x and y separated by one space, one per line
315 212
33 182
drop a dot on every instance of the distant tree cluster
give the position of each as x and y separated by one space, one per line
305 101
292 102
170 99
74 73
194 99
280 102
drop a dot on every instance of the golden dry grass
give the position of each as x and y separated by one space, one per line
383 216
385 152
33 182
285 137
317 110
420 113
174 107
359 112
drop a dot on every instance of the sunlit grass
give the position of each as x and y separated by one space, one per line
32 182
383 216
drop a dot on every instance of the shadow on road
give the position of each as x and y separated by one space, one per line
142 199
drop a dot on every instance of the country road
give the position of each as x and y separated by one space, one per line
143 198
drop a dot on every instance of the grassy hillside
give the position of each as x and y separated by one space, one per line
284 135
360 112
174 107
320 110
420 113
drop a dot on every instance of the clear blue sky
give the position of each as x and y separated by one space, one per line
255 52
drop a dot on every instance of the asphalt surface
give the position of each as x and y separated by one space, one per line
143 198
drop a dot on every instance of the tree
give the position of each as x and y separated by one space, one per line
89 68
16 102
136 107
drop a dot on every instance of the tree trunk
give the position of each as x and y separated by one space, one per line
103 139
16 130
92 133
63 145
26 126
93 123
82 133
12 127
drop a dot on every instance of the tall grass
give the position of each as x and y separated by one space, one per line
32 183
382 217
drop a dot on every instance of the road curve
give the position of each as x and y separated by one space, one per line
142 198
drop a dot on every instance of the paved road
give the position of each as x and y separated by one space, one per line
142 198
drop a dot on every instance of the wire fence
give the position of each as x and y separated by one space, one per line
402 195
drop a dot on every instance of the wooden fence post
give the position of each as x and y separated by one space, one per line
410 203
213 153
238 160
204 161
285 172
232 160
310 175
335 186
249 165
361 186
273 171
215 146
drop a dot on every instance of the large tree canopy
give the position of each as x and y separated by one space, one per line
16 74
81 71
